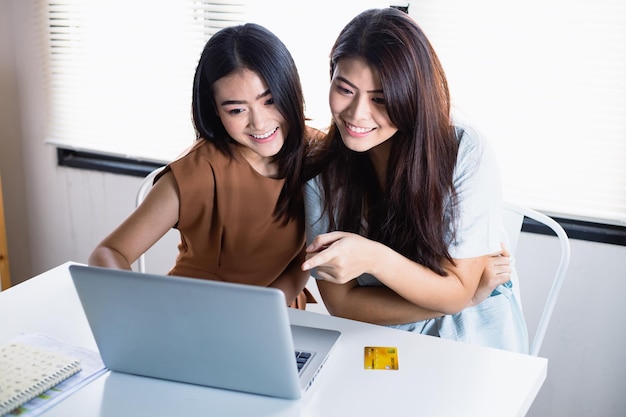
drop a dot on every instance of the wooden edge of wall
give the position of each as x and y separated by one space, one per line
5 277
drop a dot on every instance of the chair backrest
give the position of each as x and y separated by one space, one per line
144 187
513 217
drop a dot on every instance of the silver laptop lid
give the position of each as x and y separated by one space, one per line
211 333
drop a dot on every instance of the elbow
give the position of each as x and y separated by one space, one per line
334 309
454 305
104 256
451 310
335 306
97 257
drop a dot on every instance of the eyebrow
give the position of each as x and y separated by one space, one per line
230 102
342 79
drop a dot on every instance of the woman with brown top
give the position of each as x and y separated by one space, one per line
236 195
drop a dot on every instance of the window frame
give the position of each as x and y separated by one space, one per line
575 229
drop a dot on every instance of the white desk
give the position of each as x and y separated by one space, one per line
436 377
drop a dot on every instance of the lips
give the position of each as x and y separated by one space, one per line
265 136
356 130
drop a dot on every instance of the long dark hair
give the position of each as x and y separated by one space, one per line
408 213
255 48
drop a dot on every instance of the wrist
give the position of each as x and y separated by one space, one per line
381 261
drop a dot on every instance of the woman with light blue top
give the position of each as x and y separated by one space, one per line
414 196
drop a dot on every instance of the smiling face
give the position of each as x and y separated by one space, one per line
358 106
247 110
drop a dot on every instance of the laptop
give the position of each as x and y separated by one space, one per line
217 334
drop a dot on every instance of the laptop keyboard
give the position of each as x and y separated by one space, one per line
302 358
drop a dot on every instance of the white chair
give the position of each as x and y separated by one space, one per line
513 217
144 187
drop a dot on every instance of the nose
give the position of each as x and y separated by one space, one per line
258 118
360 107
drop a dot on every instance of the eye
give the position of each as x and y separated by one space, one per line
343 90
270 101
236 111
379 100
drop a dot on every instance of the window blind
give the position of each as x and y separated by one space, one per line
121 72
545 81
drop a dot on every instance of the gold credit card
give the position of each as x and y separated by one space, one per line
379 357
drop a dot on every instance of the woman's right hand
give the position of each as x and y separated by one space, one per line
340 256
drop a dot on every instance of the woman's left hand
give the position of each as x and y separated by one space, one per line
340 256
497 272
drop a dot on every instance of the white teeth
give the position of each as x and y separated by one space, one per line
266 135
356 129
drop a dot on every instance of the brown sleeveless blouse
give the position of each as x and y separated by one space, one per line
226 222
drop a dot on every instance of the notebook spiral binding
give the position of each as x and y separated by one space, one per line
40 382
39 388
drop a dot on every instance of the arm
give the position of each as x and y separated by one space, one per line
157 214
343 256
377 305
293 279
380 305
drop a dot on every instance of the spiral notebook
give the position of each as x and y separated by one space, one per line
27 371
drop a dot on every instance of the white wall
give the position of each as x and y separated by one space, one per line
585 340
58 214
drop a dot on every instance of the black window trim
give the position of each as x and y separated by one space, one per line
575 229
105 163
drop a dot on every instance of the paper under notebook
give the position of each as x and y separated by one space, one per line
27 371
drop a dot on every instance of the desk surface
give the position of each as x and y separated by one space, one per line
436 377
